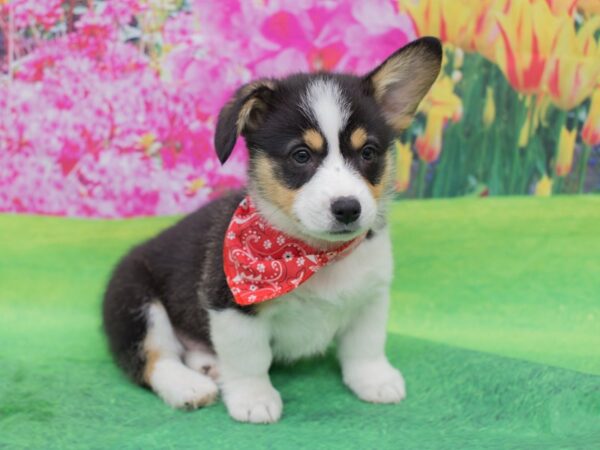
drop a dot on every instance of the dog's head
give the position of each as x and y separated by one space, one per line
320 158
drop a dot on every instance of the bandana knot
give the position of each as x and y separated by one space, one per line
262 263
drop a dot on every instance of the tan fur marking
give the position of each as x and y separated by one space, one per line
152 356
358 138
314 140
247 90
385 182
270 188
245 114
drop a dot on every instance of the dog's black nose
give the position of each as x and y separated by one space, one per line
346 209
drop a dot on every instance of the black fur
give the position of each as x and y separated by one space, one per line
173 268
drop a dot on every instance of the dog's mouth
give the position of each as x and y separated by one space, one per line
337 233
345 230
342 232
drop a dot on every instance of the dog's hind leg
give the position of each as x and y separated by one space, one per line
143 342
173 381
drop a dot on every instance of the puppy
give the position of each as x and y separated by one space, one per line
280 271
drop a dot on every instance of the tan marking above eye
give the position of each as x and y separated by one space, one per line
358 138
314 140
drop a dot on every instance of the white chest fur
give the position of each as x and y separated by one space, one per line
305 321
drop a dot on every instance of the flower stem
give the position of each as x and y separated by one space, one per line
421 179
558 180
585 156
558 184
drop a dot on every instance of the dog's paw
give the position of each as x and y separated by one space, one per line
375 382
181 387
254 401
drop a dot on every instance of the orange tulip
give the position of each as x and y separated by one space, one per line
566 146
574 67
429 144
529 30
404 159
591 128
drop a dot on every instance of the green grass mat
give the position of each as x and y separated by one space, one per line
495 319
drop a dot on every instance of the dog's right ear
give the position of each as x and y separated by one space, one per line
245 111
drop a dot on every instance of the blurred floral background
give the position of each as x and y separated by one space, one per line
107 108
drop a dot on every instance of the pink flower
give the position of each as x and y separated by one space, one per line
92 125
34 12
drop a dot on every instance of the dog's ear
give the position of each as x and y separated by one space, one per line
401 81
245 111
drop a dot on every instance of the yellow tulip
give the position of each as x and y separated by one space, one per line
404 158
429 144
574 67
589 6
590 133
543 188
466 24
566 146
453 21
489 110
443 100
529 30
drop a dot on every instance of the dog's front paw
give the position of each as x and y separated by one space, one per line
252 400
375 381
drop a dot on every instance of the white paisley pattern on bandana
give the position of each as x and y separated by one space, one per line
262 263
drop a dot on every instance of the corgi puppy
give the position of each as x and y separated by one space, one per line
299 260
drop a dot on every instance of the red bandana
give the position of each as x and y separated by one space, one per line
262 263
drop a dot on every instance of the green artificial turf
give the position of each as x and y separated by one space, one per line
495 324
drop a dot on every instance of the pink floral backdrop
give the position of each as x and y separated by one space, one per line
108 108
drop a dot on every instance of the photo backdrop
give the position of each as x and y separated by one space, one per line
107 108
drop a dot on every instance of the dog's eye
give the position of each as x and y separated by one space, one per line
301 156
368 153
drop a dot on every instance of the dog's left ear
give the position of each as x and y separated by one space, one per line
245 111
401 81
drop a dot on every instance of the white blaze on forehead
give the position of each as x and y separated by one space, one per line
325 103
